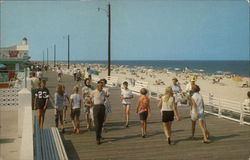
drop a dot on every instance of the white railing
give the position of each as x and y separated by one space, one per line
222 108
112 81
218 106
227 109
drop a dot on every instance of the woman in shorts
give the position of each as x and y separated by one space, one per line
197 113
75 106
143 109
126 96
168 110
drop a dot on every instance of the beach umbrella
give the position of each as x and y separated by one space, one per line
227 73
219 72
93 72
2 65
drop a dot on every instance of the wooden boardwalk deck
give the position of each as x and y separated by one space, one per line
229 140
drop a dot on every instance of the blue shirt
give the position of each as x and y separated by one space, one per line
59 101
175 88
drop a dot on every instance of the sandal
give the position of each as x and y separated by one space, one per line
205 141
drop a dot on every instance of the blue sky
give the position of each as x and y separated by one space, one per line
141 29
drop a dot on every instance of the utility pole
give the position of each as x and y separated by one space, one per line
109 39
47 56
68 50
43 58
54 55
108 12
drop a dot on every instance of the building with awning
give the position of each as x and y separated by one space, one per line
13 60
14 57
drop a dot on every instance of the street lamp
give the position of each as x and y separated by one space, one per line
54 55
68 37
47 56
43 58
108 12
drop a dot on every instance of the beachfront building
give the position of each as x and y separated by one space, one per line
13 60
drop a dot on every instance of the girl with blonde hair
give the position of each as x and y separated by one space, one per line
75 106
168 110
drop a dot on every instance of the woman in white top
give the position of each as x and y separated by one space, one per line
168 109
75 105
197 113
126 96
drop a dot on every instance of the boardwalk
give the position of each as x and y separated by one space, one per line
229 140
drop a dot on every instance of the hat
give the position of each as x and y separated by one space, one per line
175 79
193 79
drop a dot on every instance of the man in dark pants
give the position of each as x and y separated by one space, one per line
98 97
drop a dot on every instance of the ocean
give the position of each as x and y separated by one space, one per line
241 68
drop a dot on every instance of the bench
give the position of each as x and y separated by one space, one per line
48 144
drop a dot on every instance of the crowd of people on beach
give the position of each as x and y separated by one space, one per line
96 105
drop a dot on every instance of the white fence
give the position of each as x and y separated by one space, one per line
227 109
222 108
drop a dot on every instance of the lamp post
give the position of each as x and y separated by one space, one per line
47 56
108 12
43 58
68 50
54 55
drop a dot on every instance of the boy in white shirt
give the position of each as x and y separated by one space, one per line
126 96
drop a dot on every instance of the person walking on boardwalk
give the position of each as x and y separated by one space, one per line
41 101
176 89
59 100
86 93
65 103
106 102
98 98
197 113
74 72
126 96
59 74
75 106
34 85
168 110
143 109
